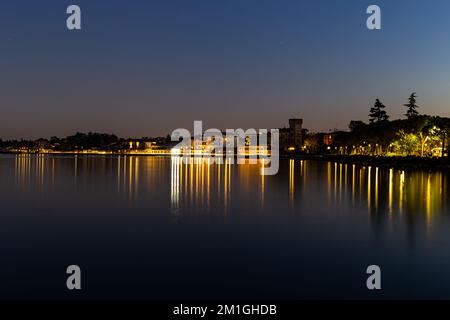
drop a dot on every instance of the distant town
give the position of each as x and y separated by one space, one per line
415 136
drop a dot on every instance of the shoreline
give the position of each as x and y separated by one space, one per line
397 162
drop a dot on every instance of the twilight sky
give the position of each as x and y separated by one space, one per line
145 67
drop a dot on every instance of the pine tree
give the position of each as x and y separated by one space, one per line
412 106
377 112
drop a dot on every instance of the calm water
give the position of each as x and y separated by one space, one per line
150 227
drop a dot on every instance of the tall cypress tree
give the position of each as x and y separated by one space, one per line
377 112
412 106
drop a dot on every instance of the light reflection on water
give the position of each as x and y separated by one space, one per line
310 217
200 182
203 184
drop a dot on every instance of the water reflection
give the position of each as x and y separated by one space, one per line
226 219
291 181
203 187
420 195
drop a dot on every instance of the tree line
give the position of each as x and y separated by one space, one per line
82 141
417 135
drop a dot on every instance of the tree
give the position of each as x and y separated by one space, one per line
412 106
377 112
421 126
407 144
441 128
356 125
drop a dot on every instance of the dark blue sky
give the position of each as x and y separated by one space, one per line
143 68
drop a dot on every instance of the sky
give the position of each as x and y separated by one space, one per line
146 67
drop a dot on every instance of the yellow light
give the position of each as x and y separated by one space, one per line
175 151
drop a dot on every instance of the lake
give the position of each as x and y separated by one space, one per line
156 228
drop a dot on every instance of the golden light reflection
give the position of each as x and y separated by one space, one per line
136 175
335 181
203 183
303 171
130 178
263 179
353 184
228 165
428 199
376 188
175 184
329 182
208 187
340 182
361 181
225 196
391 191
401 188
346 180
291 181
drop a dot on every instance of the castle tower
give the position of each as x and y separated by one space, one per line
295 133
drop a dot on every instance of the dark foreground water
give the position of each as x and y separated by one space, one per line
152 227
